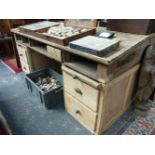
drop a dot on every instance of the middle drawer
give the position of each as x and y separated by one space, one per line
22 51
82 88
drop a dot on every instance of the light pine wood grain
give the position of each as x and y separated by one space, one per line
80 112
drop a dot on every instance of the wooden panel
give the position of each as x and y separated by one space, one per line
22 52
54 53
114 100
131 90
80 112
77 87
117 96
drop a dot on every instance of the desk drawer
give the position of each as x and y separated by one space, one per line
22 51
83 114
54 53
82 88
25 67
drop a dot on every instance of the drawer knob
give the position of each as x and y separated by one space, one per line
20 54
77 112
75 77
77 90
19 45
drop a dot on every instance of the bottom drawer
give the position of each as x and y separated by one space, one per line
84 115
25 67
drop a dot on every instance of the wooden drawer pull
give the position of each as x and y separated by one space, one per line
77 90
20 54
77 112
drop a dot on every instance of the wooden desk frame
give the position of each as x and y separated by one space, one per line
116 71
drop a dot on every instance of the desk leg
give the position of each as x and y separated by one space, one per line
15 50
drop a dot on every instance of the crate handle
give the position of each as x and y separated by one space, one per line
41 98
56 91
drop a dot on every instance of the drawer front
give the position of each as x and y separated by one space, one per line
80 112
54 53
25 67
78 88
22 51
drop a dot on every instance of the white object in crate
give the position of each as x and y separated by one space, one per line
95 45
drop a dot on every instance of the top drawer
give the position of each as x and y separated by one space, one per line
54 53
82 88
22 51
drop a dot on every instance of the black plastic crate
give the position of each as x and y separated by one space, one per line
50 98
